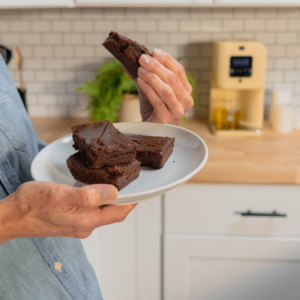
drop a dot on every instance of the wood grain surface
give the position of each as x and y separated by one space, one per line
270 158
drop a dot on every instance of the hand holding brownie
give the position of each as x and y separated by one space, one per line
165 93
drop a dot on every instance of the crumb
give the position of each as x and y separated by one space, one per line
173 161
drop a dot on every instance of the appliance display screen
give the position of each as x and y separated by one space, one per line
240 66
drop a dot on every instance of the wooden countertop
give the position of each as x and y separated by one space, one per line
271 158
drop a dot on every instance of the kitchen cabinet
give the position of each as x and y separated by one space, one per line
212 252
35 3
126 256
231 268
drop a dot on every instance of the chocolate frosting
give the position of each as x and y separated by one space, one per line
102 135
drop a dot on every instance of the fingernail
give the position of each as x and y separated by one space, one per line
108 193
140 79
145 59
158 53
142 71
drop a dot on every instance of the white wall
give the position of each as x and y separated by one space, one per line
62 47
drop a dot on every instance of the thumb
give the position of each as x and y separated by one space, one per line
94 195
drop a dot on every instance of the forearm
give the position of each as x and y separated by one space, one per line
6 219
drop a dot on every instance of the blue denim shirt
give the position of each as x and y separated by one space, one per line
48 268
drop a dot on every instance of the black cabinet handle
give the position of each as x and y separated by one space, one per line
249 213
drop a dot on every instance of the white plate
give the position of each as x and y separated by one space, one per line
189 156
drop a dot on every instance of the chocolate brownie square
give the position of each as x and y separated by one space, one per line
101 144
119 175
152 151
126 51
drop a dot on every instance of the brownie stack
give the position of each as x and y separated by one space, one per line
105 155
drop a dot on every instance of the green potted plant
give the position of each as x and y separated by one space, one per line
114 94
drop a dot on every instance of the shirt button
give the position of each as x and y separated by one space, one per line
57 266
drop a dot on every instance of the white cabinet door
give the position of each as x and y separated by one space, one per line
144 2
35 3
231 268
258 2
126 256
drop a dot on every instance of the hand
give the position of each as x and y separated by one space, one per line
49 209
164 91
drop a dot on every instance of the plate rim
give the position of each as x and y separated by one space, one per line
170 185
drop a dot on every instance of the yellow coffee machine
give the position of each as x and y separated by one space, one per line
237 88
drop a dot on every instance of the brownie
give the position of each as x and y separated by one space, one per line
119 175
101 144
152 151
126 51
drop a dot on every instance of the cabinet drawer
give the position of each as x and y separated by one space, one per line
214 208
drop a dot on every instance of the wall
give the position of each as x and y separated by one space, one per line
62 47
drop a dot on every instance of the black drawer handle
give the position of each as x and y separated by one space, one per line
249 213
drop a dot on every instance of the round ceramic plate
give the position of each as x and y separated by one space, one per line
189 156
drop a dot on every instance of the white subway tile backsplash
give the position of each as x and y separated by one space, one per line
33 64
157 38
168 26
45 76
294 25
287 38
146 26
177 14
73 38
84 51
266 13
104 26
156 13
285 64
255 25
12 39
38 111
222 13
83 26
135 13
61 26
47 99
92 13
20 26
201 13
276 25
189 26
266 38
54 64
244 13
72 14
125 26
66 76
31 39
41 26
61 48
63 51
233 25
93 39
42 51
59 111
178 38
52 39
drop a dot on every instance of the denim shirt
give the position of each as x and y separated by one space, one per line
50 268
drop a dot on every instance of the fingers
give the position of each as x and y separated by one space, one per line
164 92
93 195
150 65
159 106
172 64
93 218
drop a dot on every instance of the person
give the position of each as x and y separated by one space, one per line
41 223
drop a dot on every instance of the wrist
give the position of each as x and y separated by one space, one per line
7 218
